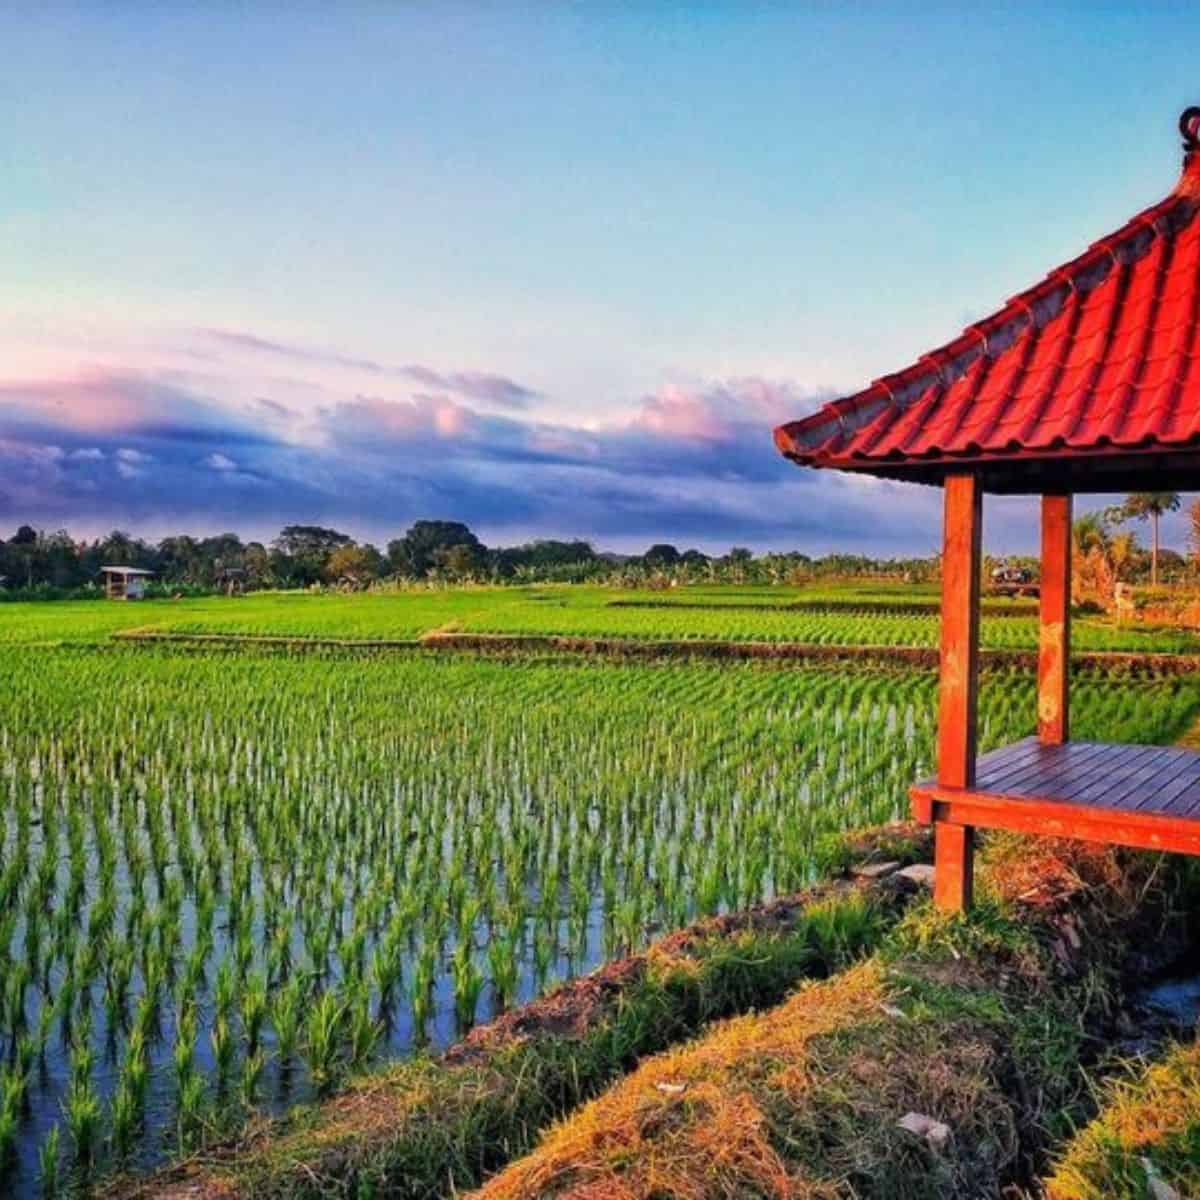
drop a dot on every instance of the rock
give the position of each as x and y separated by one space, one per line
1160 1189
919 873
876 870
671 1089
934 1132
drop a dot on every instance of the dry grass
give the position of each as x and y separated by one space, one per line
1148 1132
691 1123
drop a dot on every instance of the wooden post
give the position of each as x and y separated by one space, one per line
954 845
1054 634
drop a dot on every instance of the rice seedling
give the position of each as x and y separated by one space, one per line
363 1030
251 1079
9 1118
49 1168
254 1011
322 1040
82 1114
224 1049
286 1015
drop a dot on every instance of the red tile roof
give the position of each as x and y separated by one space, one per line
1102 356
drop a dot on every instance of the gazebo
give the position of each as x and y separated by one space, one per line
1088 382
125 583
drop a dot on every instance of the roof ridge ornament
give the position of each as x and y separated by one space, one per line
1189 127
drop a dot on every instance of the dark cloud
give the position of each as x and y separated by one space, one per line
694 465
474 385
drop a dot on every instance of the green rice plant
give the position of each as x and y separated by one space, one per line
286 1017
49 1165
124 1120
225 990
82 1115
224 1049
424 974
322 1040
191 1114
387 967
254 1010
468 983
9 1118
363 1030
504 966
251 1079
183 1055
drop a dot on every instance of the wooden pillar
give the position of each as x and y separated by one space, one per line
1054 633
954 845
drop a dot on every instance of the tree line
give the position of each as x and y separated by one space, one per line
39 564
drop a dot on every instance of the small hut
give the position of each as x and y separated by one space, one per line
1088 382
125 583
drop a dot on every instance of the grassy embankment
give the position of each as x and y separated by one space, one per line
949 1063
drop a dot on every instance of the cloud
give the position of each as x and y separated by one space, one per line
690 462
498 390
97 404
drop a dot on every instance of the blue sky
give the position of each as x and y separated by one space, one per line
551 269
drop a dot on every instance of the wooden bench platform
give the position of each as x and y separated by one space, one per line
1142 796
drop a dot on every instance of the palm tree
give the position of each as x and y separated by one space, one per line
1141 505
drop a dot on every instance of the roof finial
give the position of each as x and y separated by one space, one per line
1189 126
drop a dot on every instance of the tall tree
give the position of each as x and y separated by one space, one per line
304 550
661 554
1142 505
416 553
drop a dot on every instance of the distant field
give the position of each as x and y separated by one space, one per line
830 616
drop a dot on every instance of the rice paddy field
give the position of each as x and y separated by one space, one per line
881 615
230 876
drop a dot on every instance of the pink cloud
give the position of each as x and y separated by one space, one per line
428 416
714 412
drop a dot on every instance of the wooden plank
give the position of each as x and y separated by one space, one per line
1054 624
1049 819
995 762
1053 765
1184 801
1020 756
1174 769
1120 786
1106 768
